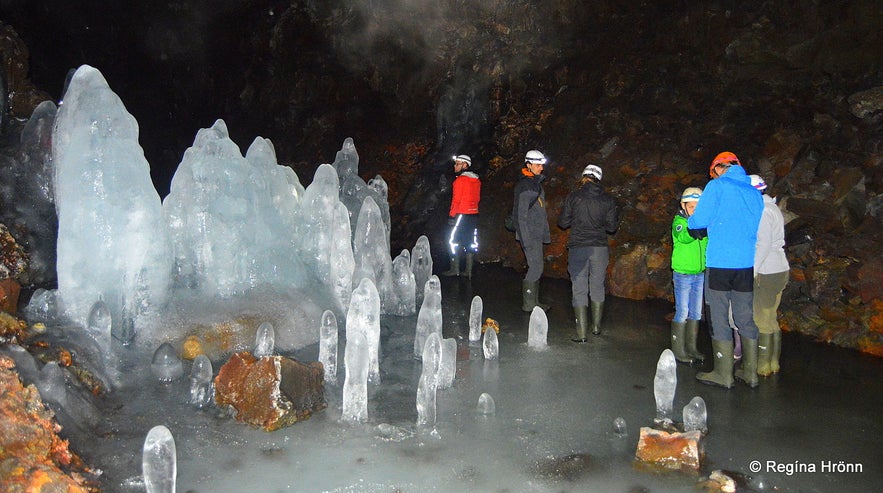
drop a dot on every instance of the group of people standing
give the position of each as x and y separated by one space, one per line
728 253
728 247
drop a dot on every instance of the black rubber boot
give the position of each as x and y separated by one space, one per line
747 371
677 342
455 267
544 306
722 373
597 312
582 323
691 334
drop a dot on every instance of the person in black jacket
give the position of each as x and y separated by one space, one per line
531 226
592 214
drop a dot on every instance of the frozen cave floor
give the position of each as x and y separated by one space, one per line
553 426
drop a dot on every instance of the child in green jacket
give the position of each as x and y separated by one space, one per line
688 266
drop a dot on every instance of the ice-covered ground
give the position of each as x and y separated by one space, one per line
552 429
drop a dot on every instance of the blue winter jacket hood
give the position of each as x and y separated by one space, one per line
730 208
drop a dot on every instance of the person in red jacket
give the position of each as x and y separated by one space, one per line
463 216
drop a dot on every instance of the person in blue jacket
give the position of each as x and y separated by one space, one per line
730 210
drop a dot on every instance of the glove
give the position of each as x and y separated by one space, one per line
452 221
698 233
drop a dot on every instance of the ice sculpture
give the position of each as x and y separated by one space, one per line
354 190
620 428
364 317
421 265
486 404
355 384
447 367
99 323
428 385
201 383
328 346
490 345
159 461
475 314
429 318
265 341
665 383
404 287
112 237
695 415
166 365
537 329
372 254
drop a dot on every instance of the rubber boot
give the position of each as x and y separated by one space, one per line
776 352
764 354
737 350
528 295
455 267
691 334
597 312
747 371
677 342
470 258
544 306
582 323
722 373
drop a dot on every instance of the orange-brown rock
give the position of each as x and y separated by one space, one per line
676 451
33 458
9 290
12 329
271 392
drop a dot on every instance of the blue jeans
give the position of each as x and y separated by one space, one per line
688 296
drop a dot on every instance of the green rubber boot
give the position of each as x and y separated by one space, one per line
747 371
597 312
677 342
470 258
776 352
455 267
691 334
528 295
722 374
764 354
582 323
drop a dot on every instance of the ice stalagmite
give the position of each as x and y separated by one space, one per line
328 346
201 383
265 341
112 237
537 329
364 317
159 461
475 314
99 323
429 319
490 344
324 235
421 266
665 383
447 367
404 287
620 428
166 365
372 254
355 384
428 385
486 404
695 415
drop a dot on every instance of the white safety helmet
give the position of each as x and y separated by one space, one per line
593 170
691 194
757 182
535 157
463 157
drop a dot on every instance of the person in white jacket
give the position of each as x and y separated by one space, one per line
771 273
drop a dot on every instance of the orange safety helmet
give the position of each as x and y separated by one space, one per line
727 158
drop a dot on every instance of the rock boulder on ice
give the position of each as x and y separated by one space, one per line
674 451
271 392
